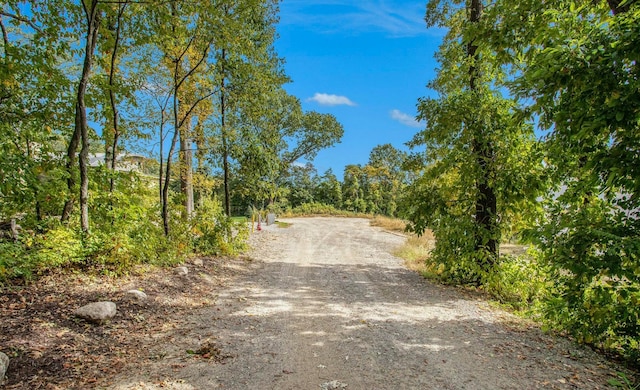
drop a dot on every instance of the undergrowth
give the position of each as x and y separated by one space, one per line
126 231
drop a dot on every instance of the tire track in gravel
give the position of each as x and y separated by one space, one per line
325 300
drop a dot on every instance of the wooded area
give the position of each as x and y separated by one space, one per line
123 123
133 131
570 70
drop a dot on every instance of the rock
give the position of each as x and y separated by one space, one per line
136 295
182 271
198 262
97 312
4 364
333 385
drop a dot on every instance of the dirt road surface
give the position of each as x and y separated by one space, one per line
325 305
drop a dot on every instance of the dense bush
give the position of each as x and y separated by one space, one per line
215 233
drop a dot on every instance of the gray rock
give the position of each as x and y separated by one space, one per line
182 271
198 262
97 312
333 385
4 365
136 295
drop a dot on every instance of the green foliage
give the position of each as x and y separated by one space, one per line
520 282
214 233
576 70
623 382
128 231
320 209
443 198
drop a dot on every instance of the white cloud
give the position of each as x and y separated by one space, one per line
331 100
405 119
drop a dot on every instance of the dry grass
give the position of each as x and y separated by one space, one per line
416 250
387 223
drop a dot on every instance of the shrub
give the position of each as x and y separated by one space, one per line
215 233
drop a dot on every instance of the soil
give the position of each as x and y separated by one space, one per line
322 304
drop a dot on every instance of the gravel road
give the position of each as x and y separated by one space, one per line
325 305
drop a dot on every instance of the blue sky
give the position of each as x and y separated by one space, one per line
366 62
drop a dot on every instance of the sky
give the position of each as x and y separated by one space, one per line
364 61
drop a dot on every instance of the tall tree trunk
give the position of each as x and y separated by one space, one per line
113 152
164 189
70 165
161 159
486 202
81 130
225 141
186 168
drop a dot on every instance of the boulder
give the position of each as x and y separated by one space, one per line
198 262
97 312
4 364
136 295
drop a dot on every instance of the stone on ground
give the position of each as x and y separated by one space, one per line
182 271
97 312
333 385
4 364
136 295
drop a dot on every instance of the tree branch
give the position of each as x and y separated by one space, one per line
22 19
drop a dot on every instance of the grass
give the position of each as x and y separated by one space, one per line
415 252
283 225
388 223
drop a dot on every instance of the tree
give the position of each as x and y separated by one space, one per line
80 136
352 193
191 27
300 183
275 139
465 185
247 69
33 107
576 69
385 164
329 190
115 20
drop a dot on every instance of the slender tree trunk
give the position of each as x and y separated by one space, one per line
174 142
186 169
36 192
93 24
486 202
161 159
225 141
72 149
81 130
113 153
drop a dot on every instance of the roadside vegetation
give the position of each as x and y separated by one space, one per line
531 138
